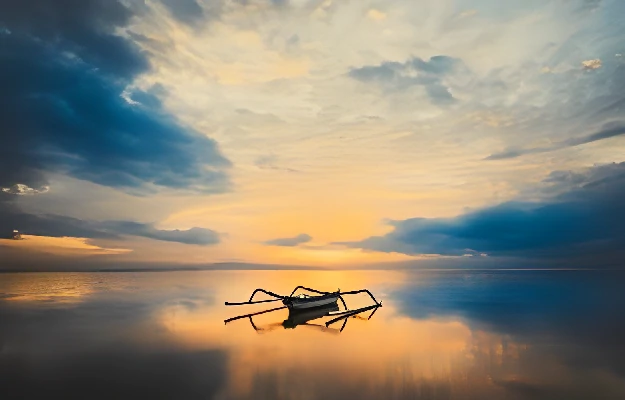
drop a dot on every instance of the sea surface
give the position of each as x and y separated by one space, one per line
439 335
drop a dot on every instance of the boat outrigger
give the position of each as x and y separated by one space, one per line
306 307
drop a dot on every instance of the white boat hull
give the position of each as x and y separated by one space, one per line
312 304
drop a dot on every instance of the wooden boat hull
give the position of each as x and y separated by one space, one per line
298 303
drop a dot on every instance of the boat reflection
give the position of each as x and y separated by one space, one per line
302 317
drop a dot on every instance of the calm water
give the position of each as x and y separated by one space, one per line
439 335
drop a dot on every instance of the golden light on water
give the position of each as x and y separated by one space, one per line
390 350
67 288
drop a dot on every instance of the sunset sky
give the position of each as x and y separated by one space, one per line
312 132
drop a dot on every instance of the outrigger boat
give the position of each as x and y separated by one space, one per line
305 307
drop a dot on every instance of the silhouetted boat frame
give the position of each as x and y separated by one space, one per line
304 308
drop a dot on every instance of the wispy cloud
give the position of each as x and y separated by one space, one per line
290 241
590 5
468 14
270 162
608 131
376 15
196 236
188 11
428 74
11 217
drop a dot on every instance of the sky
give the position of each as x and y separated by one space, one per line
319 133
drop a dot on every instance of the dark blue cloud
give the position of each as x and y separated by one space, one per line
187 11
11 217
197 236
586 220
83 27
289 242
63 71
149 98
428 74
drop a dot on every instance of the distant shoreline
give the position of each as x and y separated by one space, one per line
317 269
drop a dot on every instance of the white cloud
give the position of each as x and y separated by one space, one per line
467 14
592 64
21 189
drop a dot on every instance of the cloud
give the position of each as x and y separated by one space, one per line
149 98
64 72
197 236
269 163
584 220
11 217
467 14
590 5
414 72
376 15
81 27
289 242
187 11
591 64
608 131
20 189
263 3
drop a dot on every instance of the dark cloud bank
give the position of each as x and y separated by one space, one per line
584 223
63 71
65 107
59 226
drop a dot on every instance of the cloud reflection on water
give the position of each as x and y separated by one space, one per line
572 320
